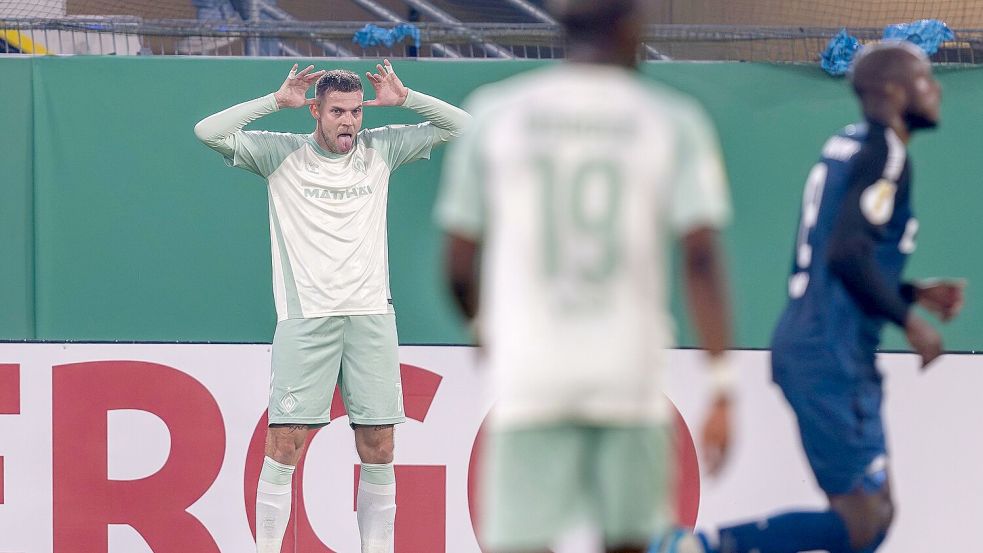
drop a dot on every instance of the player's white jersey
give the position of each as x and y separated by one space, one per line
328 211
328 225
575 179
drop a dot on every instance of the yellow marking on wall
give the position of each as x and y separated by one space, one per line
22 42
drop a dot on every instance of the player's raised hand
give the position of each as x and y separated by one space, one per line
389 90
923 338
716 435
293 91
943 298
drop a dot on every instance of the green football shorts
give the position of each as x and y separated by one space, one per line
540 481
358 353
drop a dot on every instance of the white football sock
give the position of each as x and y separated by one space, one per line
376 510
272 505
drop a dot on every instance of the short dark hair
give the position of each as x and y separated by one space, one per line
589 20
885 61
338 80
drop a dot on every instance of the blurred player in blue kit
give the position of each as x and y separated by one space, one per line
856 230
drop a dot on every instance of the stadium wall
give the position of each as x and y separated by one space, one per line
119 225
16 199
151 448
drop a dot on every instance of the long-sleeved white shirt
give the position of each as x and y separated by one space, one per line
328 211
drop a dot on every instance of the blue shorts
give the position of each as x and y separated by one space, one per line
840 424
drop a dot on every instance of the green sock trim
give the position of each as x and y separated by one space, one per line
276 473
378 474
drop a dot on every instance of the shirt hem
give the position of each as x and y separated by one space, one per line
516 420
340 313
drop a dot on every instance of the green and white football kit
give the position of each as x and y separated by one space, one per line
574 179
327 213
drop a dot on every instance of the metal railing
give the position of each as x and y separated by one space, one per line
135 36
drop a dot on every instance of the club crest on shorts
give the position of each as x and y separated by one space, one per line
288 403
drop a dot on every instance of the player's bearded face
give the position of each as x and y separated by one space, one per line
926 97
339 118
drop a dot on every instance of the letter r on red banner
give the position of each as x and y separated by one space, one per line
86 501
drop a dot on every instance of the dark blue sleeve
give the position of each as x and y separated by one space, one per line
853 241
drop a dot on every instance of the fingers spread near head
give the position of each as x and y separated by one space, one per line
313 77
384 72
305 75
303 71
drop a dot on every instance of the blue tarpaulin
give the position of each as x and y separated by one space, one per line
839 53
374 35
927 34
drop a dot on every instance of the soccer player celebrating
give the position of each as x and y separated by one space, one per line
569 186
335 321
856 229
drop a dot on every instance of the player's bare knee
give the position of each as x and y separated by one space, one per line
866 520
374 443
379 454
285 444
376 456
862 531
885 513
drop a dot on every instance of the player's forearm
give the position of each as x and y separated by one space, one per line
461 270
852 262
451 120
706 290
217 131
908 292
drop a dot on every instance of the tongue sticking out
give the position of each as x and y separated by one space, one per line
345 142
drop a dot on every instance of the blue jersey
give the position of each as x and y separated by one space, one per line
855 233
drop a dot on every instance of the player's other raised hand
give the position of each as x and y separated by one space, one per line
943 298
717 435
389 90
293 91
925 340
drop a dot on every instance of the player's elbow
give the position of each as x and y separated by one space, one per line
844 256
461 124
464 124
201 132
460 270
701 253
216 141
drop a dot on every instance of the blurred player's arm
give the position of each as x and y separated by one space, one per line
706 290
701 206
461 258
460 212
709 308
851 258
